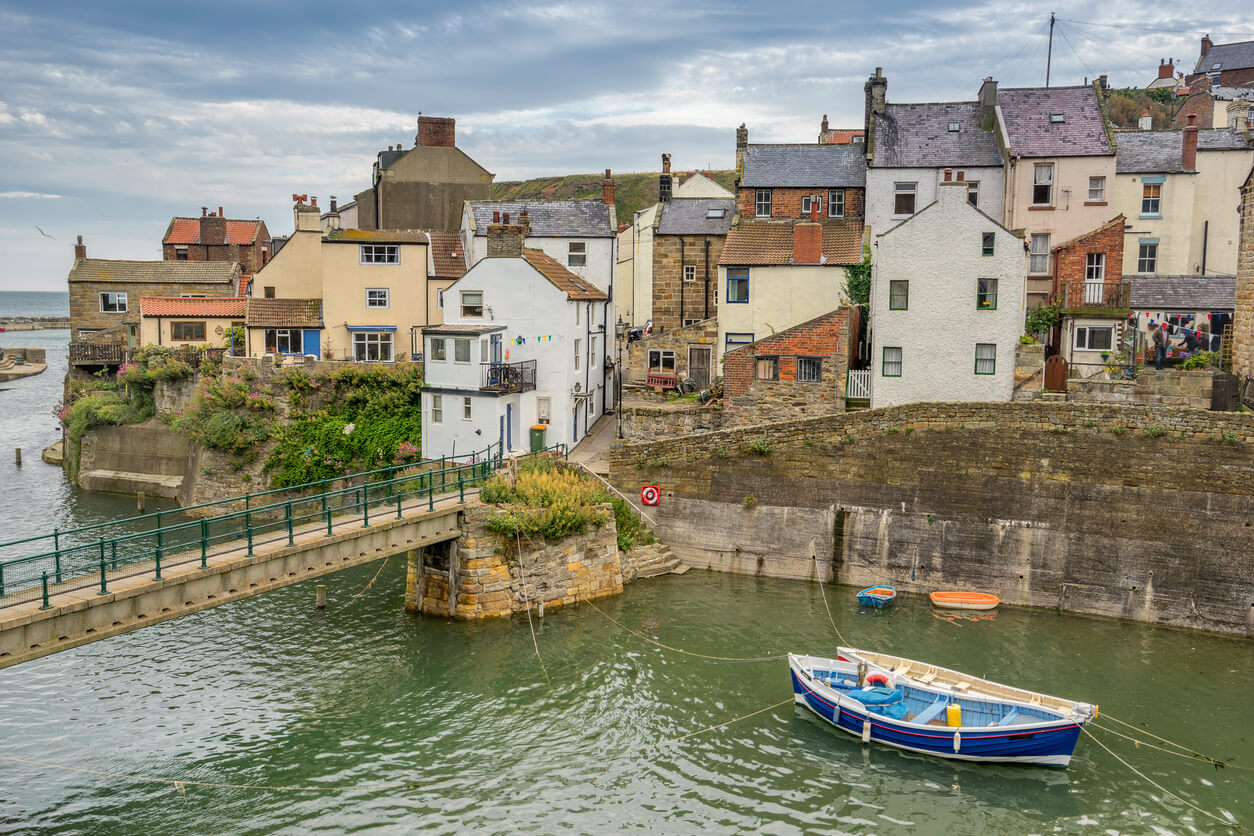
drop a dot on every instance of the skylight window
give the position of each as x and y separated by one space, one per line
715 213
1056 118
954 127
1215 66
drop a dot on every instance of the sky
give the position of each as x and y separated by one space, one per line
117 115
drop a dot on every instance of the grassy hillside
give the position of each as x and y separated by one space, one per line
632 192
1126 106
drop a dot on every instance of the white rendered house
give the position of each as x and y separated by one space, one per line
947 305
524 343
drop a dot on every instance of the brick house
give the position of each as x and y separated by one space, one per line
839 136
688 238
786 181
1219 67
105 294
1089 283
798 373
214 237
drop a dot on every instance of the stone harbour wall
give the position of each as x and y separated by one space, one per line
644 423
1141 512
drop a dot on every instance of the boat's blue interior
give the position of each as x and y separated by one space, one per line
924 706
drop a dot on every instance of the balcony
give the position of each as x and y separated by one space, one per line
1095 295
98 354
504 378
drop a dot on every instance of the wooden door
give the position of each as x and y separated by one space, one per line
1056 374
699 366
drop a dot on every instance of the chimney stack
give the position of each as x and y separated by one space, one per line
1207 43
213 230
807 242
496 216
80 250
1188 153
949 175
823 129
876 92
204 211
438 131
666 163
1165 68
664 180
505 240
333 206
1146 122
988 104
607 189
742 143
524 221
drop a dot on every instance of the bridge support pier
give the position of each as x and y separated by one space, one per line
414 580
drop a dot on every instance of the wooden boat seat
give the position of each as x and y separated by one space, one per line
933 711
1006 721
902 670
962 686
929 676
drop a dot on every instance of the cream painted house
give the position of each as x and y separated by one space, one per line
774 274
947 305
189 321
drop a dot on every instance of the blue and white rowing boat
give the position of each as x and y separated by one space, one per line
877 596
936 711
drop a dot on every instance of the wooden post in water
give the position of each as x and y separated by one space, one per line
139 501
320 596
18 454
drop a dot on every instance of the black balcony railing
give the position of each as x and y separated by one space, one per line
509 377
1095 294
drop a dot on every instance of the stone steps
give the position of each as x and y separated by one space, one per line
121 481
663 564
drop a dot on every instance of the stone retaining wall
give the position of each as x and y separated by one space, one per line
643 423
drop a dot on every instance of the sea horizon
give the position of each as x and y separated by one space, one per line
34 303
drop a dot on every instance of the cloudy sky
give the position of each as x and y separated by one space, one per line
117 114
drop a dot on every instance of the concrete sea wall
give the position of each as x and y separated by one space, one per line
1142 512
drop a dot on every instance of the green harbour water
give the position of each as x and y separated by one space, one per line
415 723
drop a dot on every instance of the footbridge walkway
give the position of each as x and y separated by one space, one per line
67 588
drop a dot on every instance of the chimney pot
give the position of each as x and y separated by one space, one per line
221 214
80 249
496 217
333 205
505 217
666 163
204 211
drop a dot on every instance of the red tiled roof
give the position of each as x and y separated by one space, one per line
563 279
447 255
770 242
245 280
185 306
840 136
187 231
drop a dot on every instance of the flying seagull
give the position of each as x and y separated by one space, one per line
44 234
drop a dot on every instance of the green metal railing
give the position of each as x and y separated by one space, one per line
92 556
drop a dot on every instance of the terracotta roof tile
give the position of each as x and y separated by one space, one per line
447 255
245 281
840 136
563 279
187 231
770 242
184 306
284 313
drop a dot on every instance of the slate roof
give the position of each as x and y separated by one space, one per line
182 306
1232 93
689 216
187 231
574 287
447 254
1026 113
368 236
284 313
1183 293
770 242
912 135
549 218
804 166
1236 56
154 272
1144 152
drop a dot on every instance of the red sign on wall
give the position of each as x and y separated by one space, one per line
650 495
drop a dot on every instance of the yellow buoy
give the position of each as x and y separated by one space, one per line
953 714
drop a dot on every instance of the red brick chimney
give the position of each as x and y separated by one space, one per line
204 211
1188 152
438 131
1165 68
807 242
949 175
1207 43
80 250
607 189
213 229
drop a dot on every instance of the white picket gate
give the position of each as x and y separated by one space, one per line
858 385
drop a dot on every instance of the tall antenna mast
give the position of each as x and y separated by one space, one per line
1049 57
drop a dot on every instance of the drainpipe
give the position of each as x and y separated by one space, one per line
1205 235
159 321
706 271
681 282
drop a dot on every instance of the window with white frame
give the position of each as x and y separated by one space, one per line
544 408
180 253
892 361
690 321
378 297
282 340
483 351
903 198
1088 338
113 302
578 313
380 254
472 303
577 254
809 369
762 203
985 358
690 272
973 192
461 350
661 361
1094 267
439 349
439 298
591 407
372 346
437 409
466 408
1097 189
577 344
811 203
1043 184
1151 198
1147 257
1038 262
766 368
836 203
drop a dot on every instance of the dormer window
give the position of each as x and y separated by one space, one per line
954 127
715 213
1057 118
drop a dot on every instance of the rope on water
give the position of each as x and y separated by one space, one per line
704 730
350 601
1186 753
181 784
1225 822
523 571
826 606
643 637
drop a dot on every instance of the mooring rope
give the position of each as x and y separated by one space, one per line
350 601
643 637
523 571
1186 753
702 731
1225 822
827 606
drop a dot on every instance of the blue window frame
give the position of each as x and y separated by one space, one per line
734 341
737 285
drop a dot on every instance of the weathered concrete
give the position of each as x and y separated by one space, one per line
135 599
1129 511
124 459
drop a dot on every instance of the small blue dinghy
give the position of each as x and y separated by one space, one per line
877 596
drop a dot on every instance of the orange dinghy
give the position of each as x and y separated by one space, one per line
964 600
